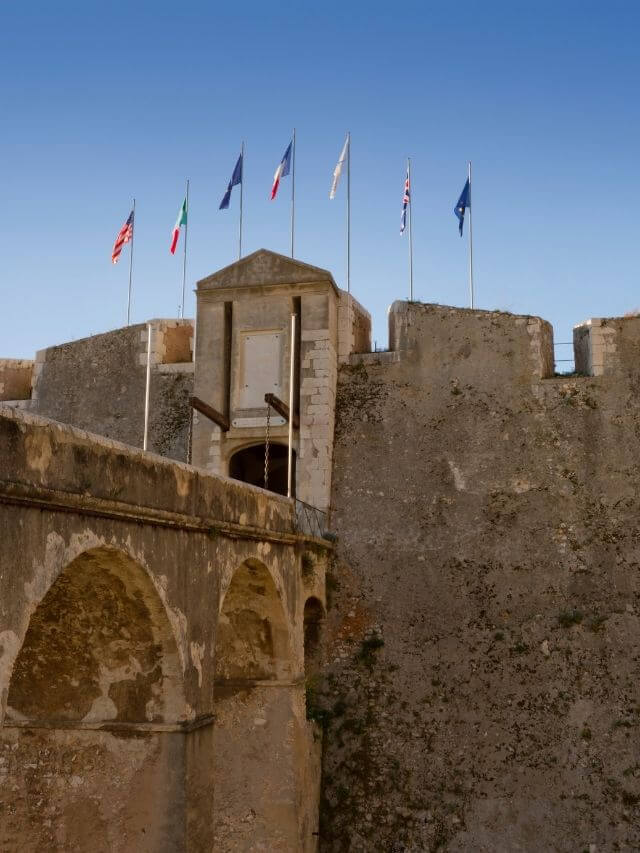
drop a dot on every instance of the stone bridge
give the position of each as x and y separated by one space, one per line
156 623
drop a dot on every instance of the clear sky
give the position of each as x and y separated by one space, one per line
102 101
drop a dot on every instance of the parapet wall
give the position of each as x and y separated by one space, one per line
98 384
354 327
484 346
607 345
15 379
485 618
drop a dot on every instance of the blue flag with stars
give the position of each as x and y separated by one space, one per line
463 203
236 178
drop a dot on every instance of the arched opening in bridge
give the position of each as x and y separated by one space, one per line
94 685
99 647
313 618
248 465
258 703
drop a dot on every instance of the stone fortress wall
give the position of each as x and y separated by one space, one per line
98 384
482 684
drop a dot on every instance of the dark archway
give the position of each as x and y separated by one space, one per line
313 618
248 465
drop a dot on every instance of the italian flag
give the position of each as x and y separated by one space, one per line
181 220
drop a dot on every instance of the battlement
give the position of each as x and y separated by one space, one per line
606 345
15 379
475 345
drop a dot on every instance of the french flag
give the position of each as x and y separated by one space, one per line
283 169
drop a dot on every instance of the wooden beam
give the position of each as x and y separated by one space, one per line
281 408
209 412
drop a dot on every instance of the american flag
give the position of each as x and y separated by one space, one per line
124 235
406 198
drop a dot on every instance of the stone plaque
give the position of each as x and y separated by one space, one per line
260 368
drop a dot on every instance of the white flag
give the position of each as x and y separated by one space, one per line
338 169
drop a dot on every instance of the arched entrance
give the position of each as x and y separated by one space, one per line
313 618
96 681
260 730
248 465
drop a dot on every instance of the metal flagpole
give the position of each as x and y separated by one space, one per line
146 392
241 186
349 212
410 230
184 261
470 239
293 187
133 234
291 402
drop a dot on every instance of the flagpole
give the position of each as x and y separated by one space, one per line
349 212
410 230
241 186
145 435
470 240
184 260
293 188
133 234
291 402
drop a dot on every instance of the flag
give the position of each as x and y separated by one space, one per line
406 199
181 220
282 170
236 179
124 235
338 169
463 203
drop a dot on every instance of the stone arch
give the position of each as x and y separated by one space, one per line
247 464
99 648
253 640
260 728
312 626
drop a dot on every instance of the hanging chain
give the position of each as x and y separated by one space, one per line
190 441
266 449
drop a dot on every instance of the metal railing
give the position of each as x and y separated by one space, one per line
310 520
563 365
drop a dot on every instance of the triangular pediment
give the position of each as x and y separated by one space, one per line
265 268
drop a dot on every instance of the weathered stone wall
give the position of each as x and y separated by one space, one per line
136 595
98 384
15 379
606 344
483 621
354 327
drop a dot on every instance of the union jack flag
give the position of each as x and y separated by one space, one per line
124 235
406 198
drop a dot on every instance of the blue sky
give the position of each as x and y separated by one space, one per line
102 102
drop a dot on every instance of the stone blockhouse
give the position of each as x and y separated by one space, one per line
462 645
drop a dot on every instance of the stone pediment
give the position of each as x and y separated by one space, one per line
265 268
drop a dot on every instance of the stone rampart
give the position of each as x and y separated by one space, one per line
484 622
15 379
98 384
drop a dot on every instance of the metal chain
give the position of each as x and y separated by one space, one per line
190 442
266 449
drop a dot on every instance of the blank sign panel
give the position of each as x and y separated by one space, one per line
260 368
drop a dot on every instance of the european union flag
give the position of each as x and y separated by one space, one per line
236 179
463 203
